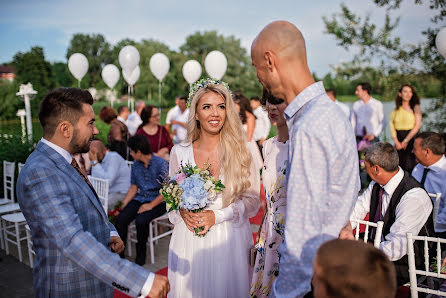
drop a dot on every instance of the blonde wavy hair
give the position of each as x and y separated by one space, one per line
235 158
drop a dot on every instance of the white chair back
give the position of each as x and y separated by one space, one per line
8 181
413 271
378 233
436 198
21 165
101 186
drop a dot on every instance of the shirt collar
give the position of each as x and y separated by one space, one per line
65 154
439 165
304 97
393 182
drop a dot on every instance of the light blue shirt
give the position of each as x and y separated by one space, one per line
114 168
322 185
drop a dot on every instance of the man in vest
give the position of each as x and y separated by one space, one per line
398 200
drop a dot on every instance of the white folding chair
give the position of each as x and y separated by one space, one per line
21 165
436 197
101 186
8 183
426 273
12 224
162 220
129 163
378 233
31 251
5 209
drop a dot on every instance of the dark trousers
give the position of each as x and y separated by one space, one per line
142 222
407 158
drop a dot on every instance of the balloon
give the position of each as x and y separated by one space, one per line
440 42
215 64
78 65
132 77
191 71
129 58
110 75
159 65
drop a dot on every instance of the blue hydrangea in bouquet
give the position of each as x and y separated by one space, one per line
192 189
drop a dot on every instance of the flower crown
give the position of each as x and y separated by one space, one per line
203 83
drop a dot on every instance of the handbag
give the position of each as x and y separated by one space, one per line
255 247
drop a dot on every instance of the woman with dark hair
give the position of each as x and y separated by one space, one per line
405 122
118 134
158 136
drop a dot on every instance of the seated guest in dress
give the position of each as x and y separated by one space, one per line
110 165
275 152
429 150
398 200
143 202
338 274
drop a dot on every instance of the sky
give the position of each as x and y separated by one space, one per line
51 24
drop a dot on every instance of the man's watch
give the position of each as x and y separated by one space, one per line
93 162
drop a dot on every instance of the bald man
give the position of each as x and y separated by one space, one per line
322 173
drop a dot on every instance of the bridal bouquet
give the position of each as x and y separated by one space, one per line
192 189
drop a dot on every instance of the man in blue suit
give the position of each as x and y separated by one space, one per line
76 246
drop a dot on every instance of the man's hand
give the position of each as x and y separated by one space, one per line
261 141
160 287
116 244
347 232
145 207
369 137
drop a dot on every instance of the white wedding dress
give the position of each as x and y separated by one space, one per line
216 265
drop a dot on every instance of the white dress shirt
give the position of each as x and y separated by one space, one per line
435 183
172 114
368 115
68 157
344 108
181 134
263 125
122 120
411 214
133 122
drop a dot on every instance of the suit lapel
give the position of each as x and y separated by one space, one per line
71 172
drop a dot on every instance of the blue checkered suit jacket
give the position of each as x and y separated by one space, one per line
70 233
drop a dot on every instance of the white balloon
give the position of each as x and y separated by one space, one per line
215 64
110 75
440 42
159 65
191 71
78 65
131 77
129 58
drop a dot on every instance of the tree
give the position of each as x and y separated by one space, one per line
395 60
98 52
61 75
33 68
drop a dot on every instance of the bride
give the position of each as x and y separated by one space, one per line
216 265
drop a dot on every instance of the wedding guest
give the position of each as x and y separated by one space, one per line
143 201
338 274
118 134
322 159
405 122
159 138
111 166
216 265
263 126
171 114
249 122
75 244
134 119
179 121
123 114
397 199
275 152
332 94
429 149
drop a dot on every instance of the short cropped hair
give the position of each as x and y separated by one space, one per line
121 109
62 104
384 155
331 91
355 269
433 141
255 98
141 143
268 97
182 97
366 87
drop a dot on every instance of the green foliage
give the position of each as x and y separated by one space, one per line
62 76
9 102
